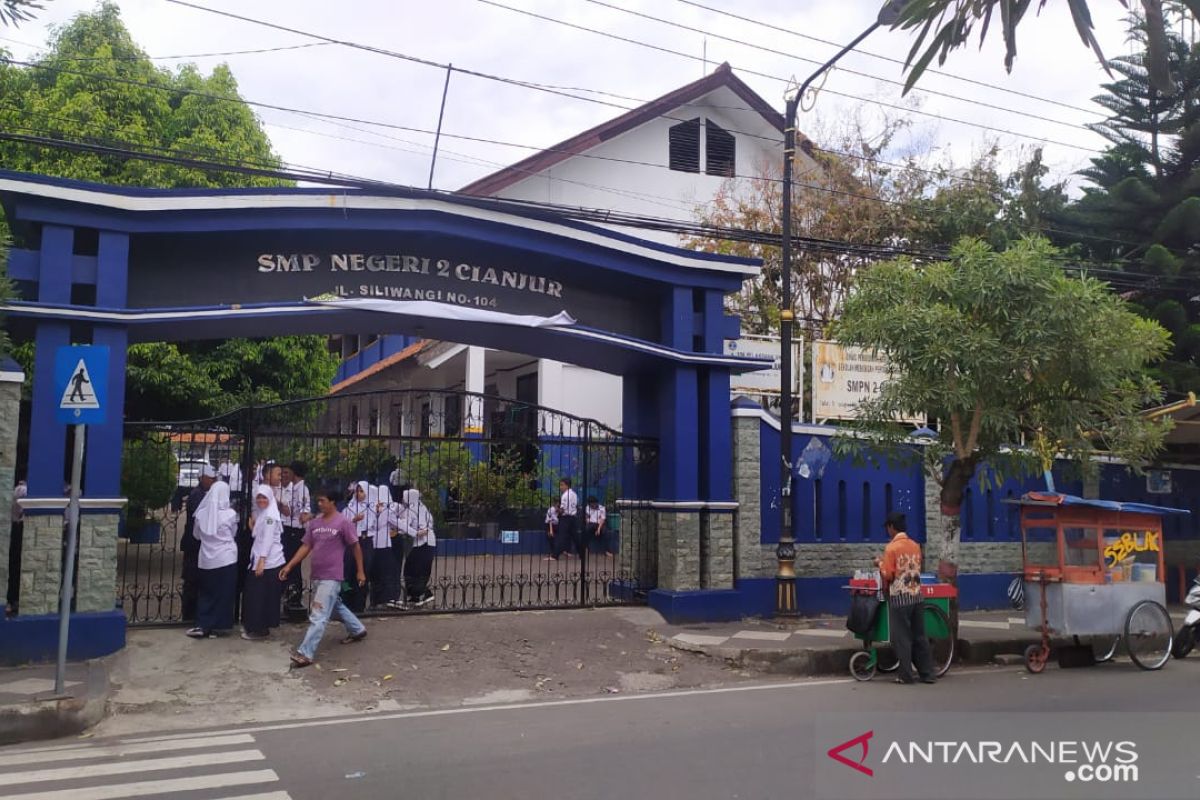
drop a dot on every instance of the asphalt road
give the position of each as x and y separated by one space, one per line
765 740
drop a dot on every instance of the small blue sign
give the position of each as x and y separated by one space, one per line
510 537
81 384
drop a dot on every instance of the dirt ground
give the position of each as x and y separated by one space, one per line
166 680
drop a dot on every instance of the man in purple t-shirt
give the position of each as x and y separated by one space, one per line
327 537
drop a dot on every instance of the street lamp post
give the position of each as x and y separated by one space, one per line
785 576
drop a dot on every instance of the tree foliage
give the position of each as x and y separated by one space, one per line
1003 349
75 91
952 23
1142 201
14 12
857 193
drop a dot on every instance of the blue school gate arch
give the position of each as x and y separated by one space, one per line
113 266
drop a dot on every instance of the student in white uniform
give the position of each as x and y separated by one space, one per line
384 574
360 511
260 597
231 473
568 519
416 522
551 530
596 530
216 527
296 511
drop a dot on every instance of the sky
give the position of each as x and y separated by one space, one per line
1054 76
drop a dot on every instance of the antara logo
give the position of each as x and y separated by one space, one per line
858 741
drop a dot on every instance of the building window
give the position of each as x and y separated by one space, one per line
685 146
720 152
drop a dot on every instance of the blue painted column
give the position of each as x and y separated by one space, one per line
717 464
103 466
47 436
679 406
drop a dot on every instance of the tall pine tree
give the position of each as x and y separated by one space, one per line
1142 201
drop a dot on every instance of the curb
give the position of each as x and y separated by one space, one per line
49 719
834 659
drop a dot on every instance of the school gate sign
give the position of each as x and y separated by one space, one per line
112 266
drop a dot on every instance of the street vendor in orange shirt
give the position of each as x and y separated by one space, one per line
900 569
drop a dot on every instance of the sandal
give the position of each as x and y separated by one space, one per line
299 661
357 637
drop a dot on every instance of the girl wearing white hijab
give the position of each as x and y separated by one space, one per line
262 593
216 528
414 520
385 570
361 510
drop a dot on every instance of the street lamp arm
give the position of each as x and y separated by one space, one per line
795 99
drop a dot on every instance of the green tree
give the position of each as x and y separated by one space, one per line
1001 348
76 91
1142 194
952 23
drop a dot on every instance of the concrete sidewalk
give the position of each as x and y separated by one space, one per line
28 713
823 646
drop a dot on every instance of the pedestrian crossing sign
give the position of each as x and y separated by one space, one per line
81 384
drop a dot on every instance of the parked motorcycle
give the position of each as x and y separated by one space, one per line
1185 640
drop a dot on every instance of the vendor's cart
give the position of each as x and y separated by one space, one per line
877 654
1094 569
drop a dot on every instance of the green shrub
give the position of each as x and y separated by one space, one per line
149 475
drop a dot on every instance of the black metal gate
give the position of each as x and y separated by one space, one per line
487 467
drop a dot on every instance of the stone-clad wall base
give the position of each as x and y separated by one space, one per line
716 547
747 492
639 545
10 418
97 583
41 563
678 550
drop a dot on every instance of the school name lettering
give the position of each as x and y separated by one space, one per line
416 265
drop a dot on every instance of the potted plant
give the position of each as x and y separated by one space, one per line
149 474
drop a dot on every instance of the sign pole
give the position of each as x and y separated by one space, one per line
68 574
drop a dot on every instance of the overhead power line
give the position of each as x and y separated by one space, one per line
900 62
1119 280
547 88
463 137
180 57
793 56
777 78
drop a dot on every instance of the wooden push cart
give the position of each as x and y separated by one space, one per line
1094 569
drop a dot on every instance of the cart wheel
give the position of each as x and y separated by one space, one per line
1149 635
1105 649
941 638
862 666
1185 641
1036 657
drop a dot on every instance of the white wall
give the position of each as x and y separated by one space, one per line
594 182
647 188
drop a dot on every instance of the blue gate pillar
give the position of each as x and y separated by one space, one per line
98 529
103 477
47 436
716 462
694 511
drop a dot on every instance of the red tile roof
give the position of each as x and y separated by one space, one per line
380 366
